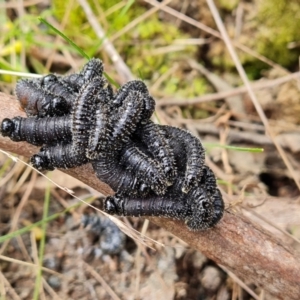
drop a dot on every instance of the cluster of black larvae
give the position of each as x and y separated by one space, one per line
155 170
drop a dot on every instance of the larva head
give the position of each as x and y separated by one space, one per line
94 68
40 163
7 127
48 80
110 206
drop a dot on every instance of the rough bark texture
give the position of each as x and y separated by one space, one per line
241 246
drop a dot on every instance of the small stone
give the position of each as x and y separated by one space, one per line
211 278
199 260
54 282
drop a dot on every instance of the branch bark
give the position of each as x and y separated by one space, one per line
241 246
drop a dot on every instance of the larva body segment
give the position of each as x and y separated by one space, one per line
152 136
48 130
58 156
144 167
155 206
110 171
188 146
126 119
101 133
83 114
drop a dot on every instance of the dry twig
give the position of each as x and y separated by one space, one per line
242 247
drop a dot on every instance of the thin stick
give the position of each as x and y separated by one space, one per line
101 280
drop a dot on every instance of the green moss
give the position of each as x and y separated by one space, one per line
228 4
279 27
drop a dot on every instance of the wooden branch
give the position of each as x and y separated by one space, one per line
241 246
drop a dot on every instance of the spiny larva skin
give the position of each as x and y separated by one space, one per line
130 177
54 95
93 68
54 85
111 238
101 132
39 102
181 142
113 127
82 114
138 86
86 111
151 135
145 168
129 115
110 171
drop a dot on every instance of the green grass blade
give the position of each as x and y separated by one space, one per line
65 38
244 149
5 166
111 80
126 7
